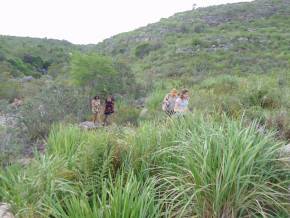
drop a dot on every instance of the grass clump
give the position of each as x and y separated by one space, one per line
226 170
123 197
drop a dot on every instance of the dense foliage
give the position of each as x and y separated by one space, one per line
205 167
223 159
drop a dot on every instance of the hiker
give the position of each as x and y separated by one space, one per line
96 108
169 102
181 104
109 109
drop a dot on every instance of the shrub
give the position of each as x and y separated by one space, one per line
126 113
264 97
93 71
199 28
281 123
2 56
221 84
18 65
11 144
53 104
144 49
9 90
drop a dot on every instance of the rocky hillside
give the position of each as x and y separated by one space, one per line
235 38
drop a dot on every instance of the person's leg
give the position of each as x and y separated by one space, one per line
99 118
106 120
94 118
169 113
172 113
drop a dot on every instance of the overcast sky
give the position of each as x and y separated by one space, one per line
87 21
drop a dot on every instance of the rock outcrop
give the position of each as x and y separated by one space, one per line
285 151
5 211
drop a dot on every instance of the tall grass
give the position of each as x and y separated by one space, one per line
122 198
226 170
65 140
26 189
74 159
193 166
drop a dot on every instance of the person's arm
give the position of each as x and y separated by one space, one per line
176 106
165 100
164 103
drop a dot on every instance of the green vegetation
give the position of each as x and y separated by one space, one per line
205 167
93 71
223 159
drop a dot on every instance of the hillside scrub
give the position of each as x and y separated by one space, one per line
222 160
52 104
200 166
262 97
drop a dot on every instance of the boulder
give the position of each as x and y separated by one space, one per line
27 79
285 151
88 125
140 103
5 211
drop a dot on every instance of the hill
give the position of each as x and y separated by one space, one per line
236 38
32 56
226 157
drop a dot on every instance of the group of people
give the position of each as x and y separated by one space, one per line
176 103
98 109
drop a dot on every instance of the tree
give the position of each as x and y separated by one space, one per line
93 72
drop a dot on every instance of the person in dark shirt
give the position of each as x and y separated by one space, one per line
109 109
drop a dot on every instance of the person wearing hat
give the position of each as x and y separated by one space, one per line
169 102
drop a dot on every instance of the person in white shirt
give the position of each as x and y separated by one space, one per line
181 103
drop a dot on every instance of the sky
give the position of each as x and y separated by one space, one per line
87 21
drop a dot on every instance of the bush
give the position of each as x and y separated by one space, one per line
9 90
11 145
51 105
94 72
144 49
221 84
265 97
281 123
126 113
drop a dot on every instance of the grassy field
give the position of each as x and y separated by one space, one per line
197 166
223 159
